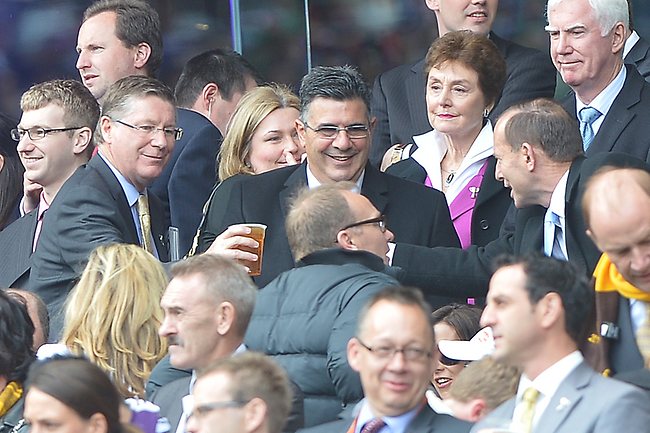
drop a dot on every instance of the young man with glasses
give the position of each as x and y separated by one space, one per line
340 242
106 200
335 127
54 138
394 353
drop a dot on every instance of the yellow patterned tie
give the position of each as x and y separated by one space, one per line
643 337
529 401
145 222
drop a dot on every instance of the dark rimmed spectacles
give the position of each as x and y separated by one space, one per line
38 133
201 410
449 362
330 132
388 352
380 221
175 133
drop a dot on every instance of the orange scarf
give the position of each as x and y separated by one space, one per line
608 279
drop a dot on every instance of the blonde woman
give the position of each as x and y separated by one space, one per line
113 314
261 134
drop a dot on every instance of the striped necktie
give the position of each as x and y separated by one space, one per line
145 222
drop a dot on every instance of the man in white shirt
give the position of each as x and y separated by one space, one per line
538 307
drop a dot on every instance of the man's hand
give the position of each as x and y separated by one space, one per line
31 195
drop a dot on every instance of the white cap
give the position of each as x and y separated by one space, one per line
480 345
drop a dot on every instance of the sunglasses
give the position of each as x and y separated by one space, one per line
448 361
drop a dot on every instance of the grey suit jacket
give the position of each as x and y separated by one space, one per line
426 421
16 250
89 210
168 398
587 402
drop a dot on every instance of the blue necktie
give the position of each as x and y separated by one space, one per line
553 236
587 116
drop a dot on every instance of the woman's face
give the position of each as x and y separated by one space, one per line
444 375
274 143
46 414
455 101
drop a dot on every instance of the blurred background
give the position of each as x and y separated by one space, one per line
38 37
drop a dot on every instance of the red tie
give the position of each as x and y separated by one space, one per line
373 426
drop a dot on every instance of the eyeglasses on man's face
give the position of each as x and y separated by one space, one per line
38 133
380 221
175 133
330 132
201 410
386 353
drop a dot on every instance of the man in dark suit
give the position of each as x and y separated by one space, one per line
395 353
106 200
335 128
398 100
54 138
537 308
610 100
637 49
539 156
207 92
616 206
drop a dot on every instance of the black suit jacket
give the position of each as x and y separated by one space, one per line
467 272
186 182
16 250
426 421
492 201
398 96
415 214
639 56
89 210
626 127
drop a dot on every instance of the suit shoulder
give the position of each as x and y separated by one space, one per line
338 426
172 390
404 186
398 73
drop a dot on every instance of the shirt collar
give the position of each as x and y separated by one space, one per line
557 204
43 205
630 42
604 100
548 381
395 424
312 182
130 191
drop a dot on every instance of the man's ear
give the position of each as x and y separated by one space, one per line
478 409
345 241
2 162
528 153
82 140
142 54
225 317
353 354
208 94
300 130
550 310
618 37
434 5
97 423
255 415
106 128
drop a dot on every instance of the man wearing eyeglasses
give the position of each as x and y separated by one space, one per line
305 316
394 353
54 138
246 393
106 200
335 128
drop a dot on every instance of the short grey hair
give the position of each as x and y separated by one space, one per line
608 12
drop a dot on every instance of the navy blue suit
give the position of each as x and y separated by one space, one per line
186 182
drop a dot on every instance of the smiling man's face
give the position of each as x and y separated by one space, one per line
340 158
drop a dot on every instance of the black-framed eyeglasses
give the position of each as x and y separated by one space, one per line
201 410
175 133
329 132
38 133
388 352
380 221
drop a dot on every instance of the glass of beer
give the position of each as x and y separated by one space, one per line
257 232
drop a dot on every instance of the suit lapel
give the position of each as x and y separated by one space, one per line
532 237
618 116
566 397
296 180
571 226
375 187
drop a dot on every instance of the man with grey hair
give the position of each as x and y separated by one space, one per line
611 100
305 316
106 200
54 138
118 38
208 304
335 128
